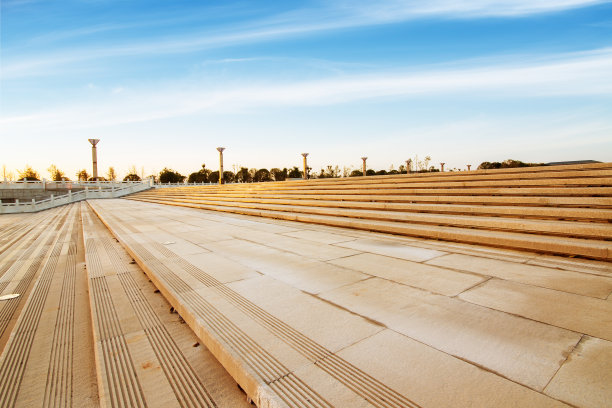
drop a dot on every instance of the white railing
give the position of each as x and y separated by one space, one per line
88 193
67 185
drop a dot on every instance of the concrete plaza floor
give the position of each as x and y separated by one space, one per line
309 315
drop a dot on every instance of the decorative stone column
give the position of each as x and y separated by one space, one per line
221 149
305 155
94 157
408 165
442 166
468 166
364 167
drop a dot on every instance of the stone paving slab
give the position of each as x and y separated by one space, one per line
567 281
499 342
585 378
419 275
435 379
573 312
375 326
393 249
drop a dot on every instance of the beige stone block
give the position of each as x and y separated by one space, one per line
319 236
434 379
567 281
431 278
393 249
573 312
522 350
316 319
221 268
302 272
585 379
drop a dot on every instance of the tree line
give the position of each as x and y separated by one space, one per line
246 175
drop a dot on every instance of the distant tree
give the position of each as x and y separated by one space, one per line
132 177
170 176
329 172
55 173
510 163
356 173
370 172
262 175
96 179
278 174
243 176
110 174
200 176
7 175
228 177
394 171
381 172
82 175
28 174
295 173
213 177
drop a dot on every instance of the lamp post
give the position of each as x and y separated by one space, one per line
94 157
220 150
305 165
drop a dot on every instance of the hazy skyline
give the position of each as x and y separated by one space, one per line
165 83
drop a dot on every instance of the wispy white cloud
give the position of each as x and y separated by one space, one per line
332 15
394 10
566 75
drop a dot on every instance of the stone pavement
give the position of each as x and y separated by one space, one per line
310 315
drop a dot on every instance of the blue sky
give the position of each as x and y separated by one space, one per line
163 83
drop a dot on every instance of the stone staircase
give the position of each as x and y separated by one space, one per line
88 328
552 209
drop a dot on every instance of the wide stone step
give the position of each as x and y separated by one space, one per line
141 359
509 191
560 245
546 227
588 202
495 210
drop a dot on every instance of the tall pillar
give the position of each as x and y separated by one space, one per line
364 167
305 165
408 164
468 166
94 157
221 149
442 166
